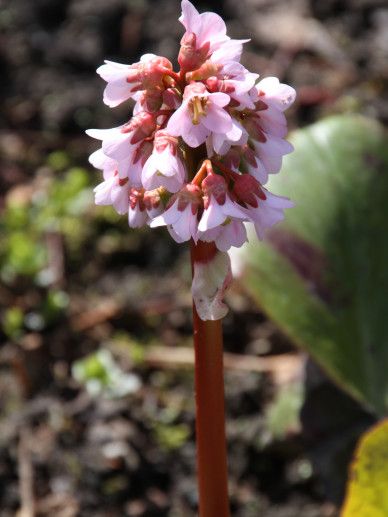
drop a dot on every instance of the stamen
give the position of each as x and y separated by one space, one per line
198 109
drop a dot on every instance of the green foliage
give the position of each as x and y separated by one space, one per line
367 494
102 376
13 322
55 303
55 205
24 255
282 415
322 275
58 160
171 437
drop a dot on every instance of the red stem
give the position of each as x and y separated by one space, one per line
205 168
210 407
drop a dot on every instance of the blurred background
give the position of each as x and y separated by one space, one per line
96 380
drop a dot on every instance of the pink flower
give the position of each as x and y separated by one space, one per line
130 168
204 33
269 156
209 28
214 104
237 82
228 53
274 93
231 233
103 191
221 142
113 191
261 207
271 121
164 167
119 142
100 161
229 77
135 165
124 81
137 214
201 113
181 214
217 203
268 212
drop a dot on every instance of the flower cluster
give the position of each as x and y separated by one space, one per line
201 143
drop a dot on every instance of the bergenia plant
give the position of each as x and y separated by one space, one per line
195 157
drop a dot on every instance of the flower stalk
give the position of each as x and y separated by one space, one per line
210 406
194 157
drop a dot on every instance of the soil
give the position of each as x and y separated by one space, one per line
65 452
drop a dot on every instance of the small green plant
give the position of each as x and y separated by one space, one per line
170 436
56 206
282 415
13 322
101 375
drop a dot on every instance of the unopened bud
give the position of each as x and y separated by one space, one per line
208 69
152 100
162 139
151 199
214 185
249 155
149 74
232 158
212 84
254 130
247 189
142 126
172 98
136 196
189 194
191 58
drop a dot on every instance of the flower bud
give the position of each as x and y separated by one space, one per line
151 199
136 196
252 126
214 185
208 69
191 58
172 98
190 194
149 74
247 190
141 126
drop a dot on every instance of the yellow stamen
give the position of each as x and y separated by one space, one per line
198 108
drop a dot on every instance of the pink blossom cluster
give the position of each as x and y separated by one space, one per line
197 152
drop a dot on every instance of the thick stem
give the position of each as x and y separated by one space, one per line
210 407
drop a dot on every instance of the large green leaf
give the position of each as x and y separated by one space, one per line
322 275
367 494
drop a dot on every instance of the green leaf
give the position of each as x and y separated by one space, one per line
13 322
171 437
282 414
58 160
367 494
322 275
103 376
24 255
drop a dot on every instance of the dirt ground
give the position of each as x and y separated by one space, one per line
68 448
